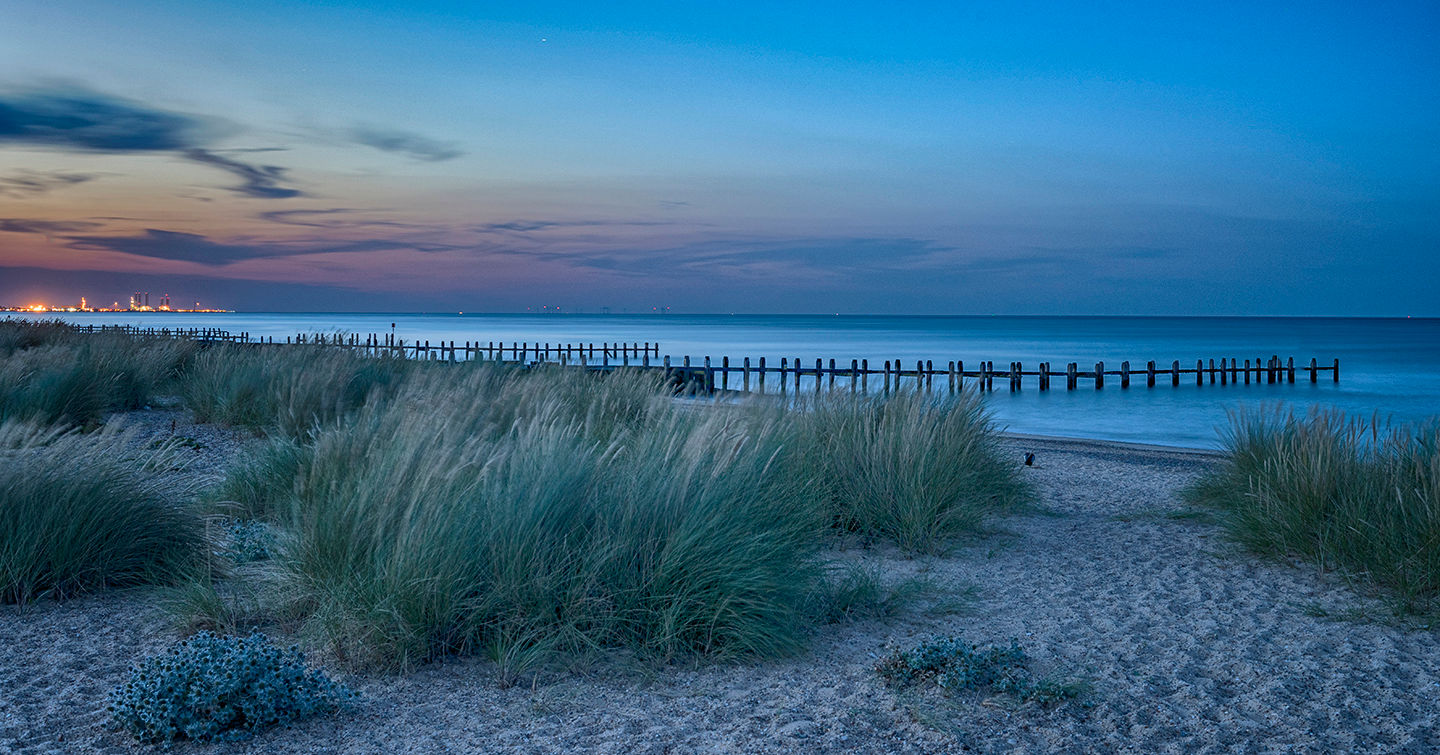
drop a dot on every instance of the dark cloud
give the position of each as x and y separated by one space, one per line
45 227
261 181
333 217
405 143
191 247
531 226
174 245
76 119
30 183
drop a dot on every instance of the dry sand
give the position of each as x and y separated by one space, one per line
1188 645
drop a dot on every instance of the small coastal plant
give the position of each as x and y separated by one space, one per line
955 665
248 541
210 688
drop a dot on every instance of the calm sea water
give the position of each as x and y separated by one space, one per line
1389 366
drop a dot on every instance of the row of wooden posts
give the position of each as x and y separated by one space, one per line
707 376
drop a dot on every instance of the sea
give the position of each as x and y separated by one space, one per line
1389 367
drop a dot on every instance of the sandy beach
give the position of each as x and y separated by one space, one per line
1185 642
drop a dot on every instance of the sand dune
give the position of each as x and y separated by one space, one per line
1188 645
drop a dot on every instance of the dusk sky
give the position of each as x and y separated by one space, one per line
1147 158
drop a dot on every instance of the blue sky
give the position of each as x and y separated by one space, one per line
1022 158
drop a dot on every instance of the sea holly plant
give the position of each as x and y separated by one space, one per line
210 688
955 665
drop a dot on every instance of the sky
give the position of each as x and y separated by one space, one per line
953 158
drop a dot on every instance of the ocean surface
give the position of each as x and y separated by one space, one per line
1387 366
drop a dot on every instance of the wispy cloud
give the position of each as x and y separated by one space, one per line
405 143
74 118
156 243
79 120
260 181
534 226
45 227
331 218
31 183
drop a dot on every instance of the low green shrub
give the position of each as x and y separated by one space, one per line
248 541
210 688
1352 495
82 512
955 665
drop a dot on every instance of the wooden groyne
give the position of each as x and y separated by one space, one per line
745 374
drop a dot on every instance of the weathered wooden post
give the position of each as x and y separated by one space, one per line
950 377
1099 375
725 373
1175 373
819 370
929 374
1071 379
832 374
1335 373
887 375
865 375
797 377
854 374
1199 372
1015 376
784 363
1224 380
1125 374
1314 365
1044 376
761 378
1247 371
745 376
959 375
1290 369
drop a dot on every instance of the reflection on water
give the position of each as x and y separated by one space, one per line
1389 366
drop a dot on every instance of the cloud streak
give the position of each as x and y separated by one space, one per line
405 143
45 227
259 181
32 183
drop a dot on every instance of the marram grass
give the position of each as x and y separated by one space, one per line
912 468
84 512
1350 495
497 516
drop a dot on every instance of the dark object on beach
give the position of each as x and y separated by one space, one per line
1029 459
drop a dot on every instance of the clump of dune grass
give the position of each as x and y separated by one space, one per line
80 512
1351 495
21 333
261 480
287 389
506 515
913 468
78 381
